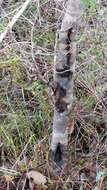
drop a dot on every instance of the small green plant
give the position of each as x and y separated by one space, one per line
91 4
45 39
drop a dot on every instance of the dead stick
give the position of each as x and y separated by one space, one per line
14 20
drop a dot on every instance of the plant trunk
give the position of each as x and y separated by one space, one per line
63 83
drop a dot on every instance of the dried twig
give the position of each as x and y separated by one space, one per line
14 20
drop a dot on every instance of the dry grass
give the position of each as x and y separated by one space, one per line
26 107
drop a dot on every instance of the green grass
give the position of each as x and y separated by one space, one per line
21 122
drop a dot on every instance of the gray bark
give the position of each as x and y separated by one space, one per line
63 80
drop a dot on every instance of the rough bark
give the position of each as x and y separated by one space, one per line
63 80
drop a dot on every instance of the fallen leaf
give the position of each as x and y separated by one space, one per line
37 178
71 127
8 178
